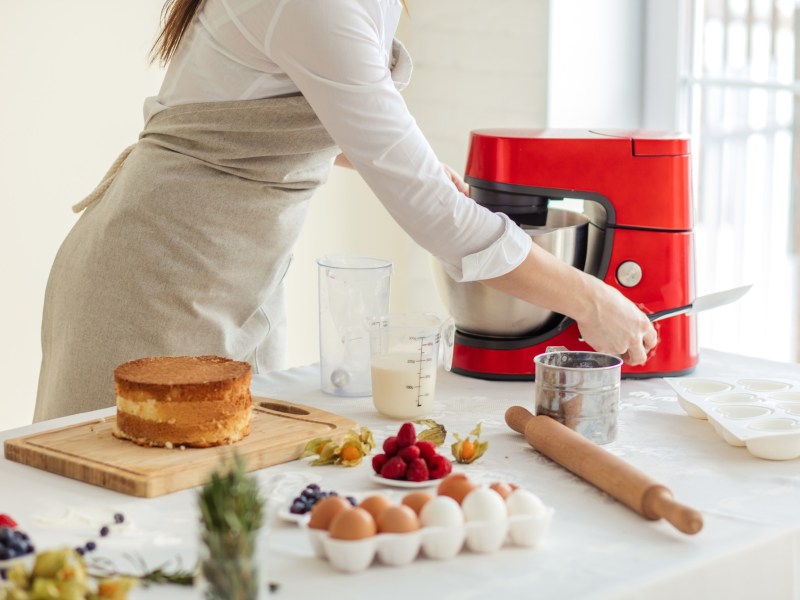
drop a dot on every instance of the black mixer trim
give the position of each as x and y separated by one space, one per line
681 373
494 376
538 193
506 343
529 203
532 376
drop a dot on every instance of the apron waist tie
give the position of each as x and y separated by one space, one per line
104 184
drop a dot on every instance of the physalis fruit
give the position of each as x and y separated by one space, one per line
355 446
470 448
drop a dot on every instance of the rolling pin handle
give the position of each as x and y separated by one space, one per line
658 503
517 418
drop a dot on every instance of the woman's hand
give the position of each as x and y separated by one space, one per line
617 326
456 179
607 320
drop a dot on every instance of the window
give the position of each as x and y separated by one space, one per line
739 91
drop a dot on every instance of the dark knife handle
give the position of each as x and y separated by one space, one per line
670 312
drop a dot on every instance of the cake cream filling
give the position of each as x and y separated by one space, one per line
173 413
149 410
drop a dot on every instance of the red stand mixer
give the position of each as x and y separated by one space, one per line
633 189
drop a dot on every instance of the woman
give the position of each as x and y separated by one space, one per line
183 246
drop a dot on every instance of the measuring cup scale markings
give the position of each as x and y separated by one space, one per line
405 356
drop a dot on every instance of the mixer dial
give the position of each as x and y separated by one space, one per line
629 273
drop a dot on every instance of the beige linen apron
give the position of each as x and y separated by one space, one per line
186 249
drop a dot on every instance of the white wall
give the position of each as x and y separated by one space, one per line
74 77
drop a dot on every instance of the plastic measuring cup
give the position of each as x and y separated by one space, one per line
404 352
351 289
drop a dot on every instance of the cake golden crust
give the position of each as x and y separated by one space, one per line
179 378
195 401
154 434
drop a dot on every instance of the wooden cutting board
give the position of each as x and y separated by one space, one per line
88 452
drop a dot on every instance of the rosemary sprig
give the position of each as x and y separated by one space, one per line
101 567
231 503
232 512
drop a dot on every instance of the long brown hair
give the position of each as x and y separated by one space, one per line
175 18
176 15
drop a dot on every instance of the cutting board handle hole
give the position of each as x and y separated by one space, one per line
292 410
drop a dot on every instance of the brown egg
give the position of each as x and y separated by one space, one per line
352 524
502 488
375 504
323 512
416 500
456 485
398 519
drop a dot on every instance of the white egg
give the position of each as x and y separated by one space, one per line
484 504
523 502
441 511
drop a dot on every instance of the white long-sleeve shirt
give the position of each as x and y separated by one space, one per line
338 55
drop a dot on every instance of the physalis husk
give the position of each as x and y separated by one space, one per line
435 432
355 446
60 573
470 448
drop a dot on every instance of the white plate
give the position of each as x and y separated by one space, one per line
284 514
402 483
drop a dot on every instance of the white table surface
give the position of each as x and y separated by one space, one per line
595 547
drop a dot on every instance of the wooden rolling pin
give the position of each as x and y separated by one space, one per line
602 469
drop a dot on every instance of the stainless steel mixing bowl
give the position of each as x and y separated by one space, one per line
479 309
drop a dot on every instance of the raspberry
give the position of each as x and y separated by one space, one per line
439 466
390 446
417 470
426 449
407 435
409 453
378 461
6 521
395 468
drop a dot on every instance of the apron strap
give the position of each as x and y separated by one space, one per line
107 180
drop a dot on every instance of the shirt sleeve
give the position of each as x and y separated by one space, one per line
334 53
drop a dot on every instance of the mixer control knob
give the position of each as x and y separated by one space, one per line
629 273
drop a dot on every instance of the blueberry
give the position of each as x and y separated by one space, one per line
18 547
313 486
6 534
90 546
352 500
119 518
6 553
104 531
80 550
298 508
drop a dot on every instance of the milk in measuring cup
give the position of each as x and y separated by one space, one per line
402 386
404 355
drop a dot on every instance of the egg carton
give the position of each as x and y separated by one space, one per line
439 543
761 414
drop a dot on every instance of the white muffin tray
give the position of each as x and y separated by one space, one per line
438 543
761 414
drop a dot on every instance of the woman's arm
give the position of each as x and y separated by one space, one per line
356 100
607 320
